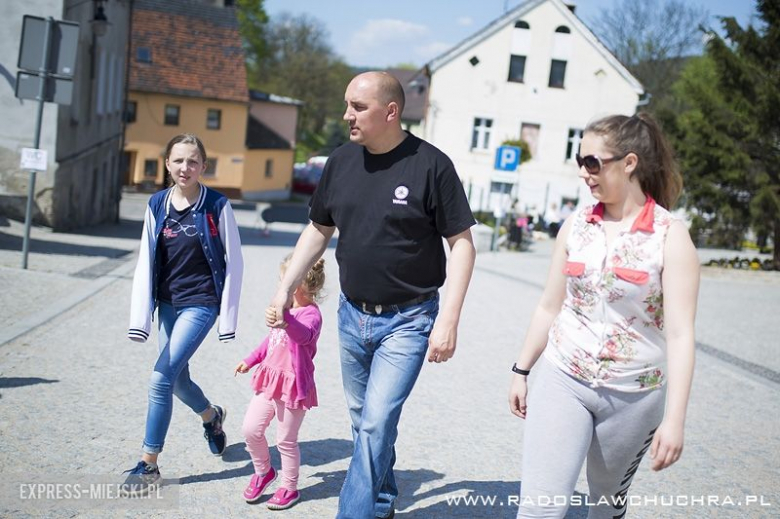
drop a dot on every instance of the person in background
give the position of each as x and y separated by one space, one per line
553 219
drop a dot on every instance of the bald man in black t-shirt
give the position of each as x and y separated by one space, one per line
393 198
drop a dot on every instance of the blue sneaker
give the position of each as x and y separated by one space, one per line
142 480
214 433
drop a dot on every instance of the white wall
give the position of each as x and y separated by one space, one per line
460 92
17 130
281 118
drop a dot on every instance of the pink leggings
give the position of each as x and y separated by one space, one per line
258 416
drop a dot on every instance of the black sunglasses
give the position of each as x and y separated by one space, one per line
594 163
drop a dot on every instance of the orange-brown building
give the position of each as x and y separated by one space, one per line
187 75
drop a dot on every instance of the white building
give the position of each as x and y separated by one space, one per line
536 73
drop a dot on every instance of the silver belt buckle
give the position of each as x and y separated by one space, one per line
378 309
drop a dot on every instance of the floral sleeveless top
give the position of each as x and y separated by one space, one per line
609 332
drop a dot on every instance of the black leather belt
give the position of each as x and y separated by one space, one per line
374 308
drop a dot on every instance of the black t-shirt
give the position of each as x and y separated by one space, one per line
392 211
185 276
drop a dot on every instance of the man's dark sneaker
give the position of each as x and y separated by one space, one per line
214 433
142 480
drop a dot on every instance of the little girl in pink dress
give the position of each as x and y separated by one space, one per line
284 387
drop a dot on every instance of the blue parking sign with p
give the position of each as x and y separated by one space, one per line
507 158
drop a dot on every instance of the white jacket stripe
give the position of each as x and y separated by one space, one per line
228 312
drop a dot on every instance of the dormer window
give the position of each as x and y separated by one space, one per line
563 29
520 24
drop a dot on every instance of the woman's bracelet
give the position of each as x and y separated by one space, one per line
519 371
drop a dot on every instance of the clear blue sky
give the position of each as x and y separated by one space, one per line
383 33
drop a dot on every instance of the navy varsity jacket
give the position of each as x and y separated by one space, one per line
221 244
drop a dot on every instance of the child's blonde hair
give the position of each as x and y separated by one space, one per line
313 281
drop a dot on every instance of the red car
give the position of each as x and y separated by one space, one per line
307 175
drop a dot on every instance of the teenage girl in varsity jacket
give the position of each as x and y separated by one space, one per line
189 269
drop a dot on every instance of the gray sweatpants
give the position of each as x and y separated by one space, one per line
568 420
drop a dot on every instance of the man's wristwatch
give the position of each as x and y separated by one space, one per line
519 371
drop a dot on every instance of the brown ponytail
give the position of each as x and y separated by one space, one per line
657 170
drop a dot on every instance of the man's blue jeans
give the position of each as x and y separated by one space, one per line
181 330
381 357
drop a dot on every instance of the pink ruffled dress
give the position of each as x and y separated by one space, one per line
285 358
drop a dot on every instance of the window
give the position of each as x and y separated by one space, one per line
211 168
213 119
563 29
172 115
100 102
557 73
501 187
143 55
522 25
150 168
573 144
480 137
269 168
131 109
516 68
474 61
530 134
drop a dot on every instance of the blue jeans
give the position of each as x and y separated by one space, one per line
181 330
381 357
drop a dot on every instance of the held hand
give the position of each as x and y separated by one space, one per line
274 314
442 342
241 368
667 445
517 393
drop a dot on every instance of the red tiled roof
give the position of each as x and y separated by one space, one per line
195 50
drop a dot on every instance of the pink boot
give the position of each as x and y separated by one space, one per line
258 483
283 499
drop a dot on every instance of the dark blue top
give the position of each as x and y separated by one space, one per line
185 276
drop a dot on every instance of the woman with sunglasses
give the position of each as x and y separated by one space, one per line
612 339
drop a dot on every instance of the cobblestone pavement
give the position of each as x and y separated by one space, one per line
73 391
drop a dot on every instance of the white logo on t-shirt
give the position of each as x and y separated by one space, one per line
401 192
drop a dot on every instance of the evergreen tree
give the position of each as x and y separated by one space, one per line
728 136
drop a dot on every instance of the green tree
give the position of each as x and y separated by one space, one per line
252 22
300 63
525 148
728 136
707 139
